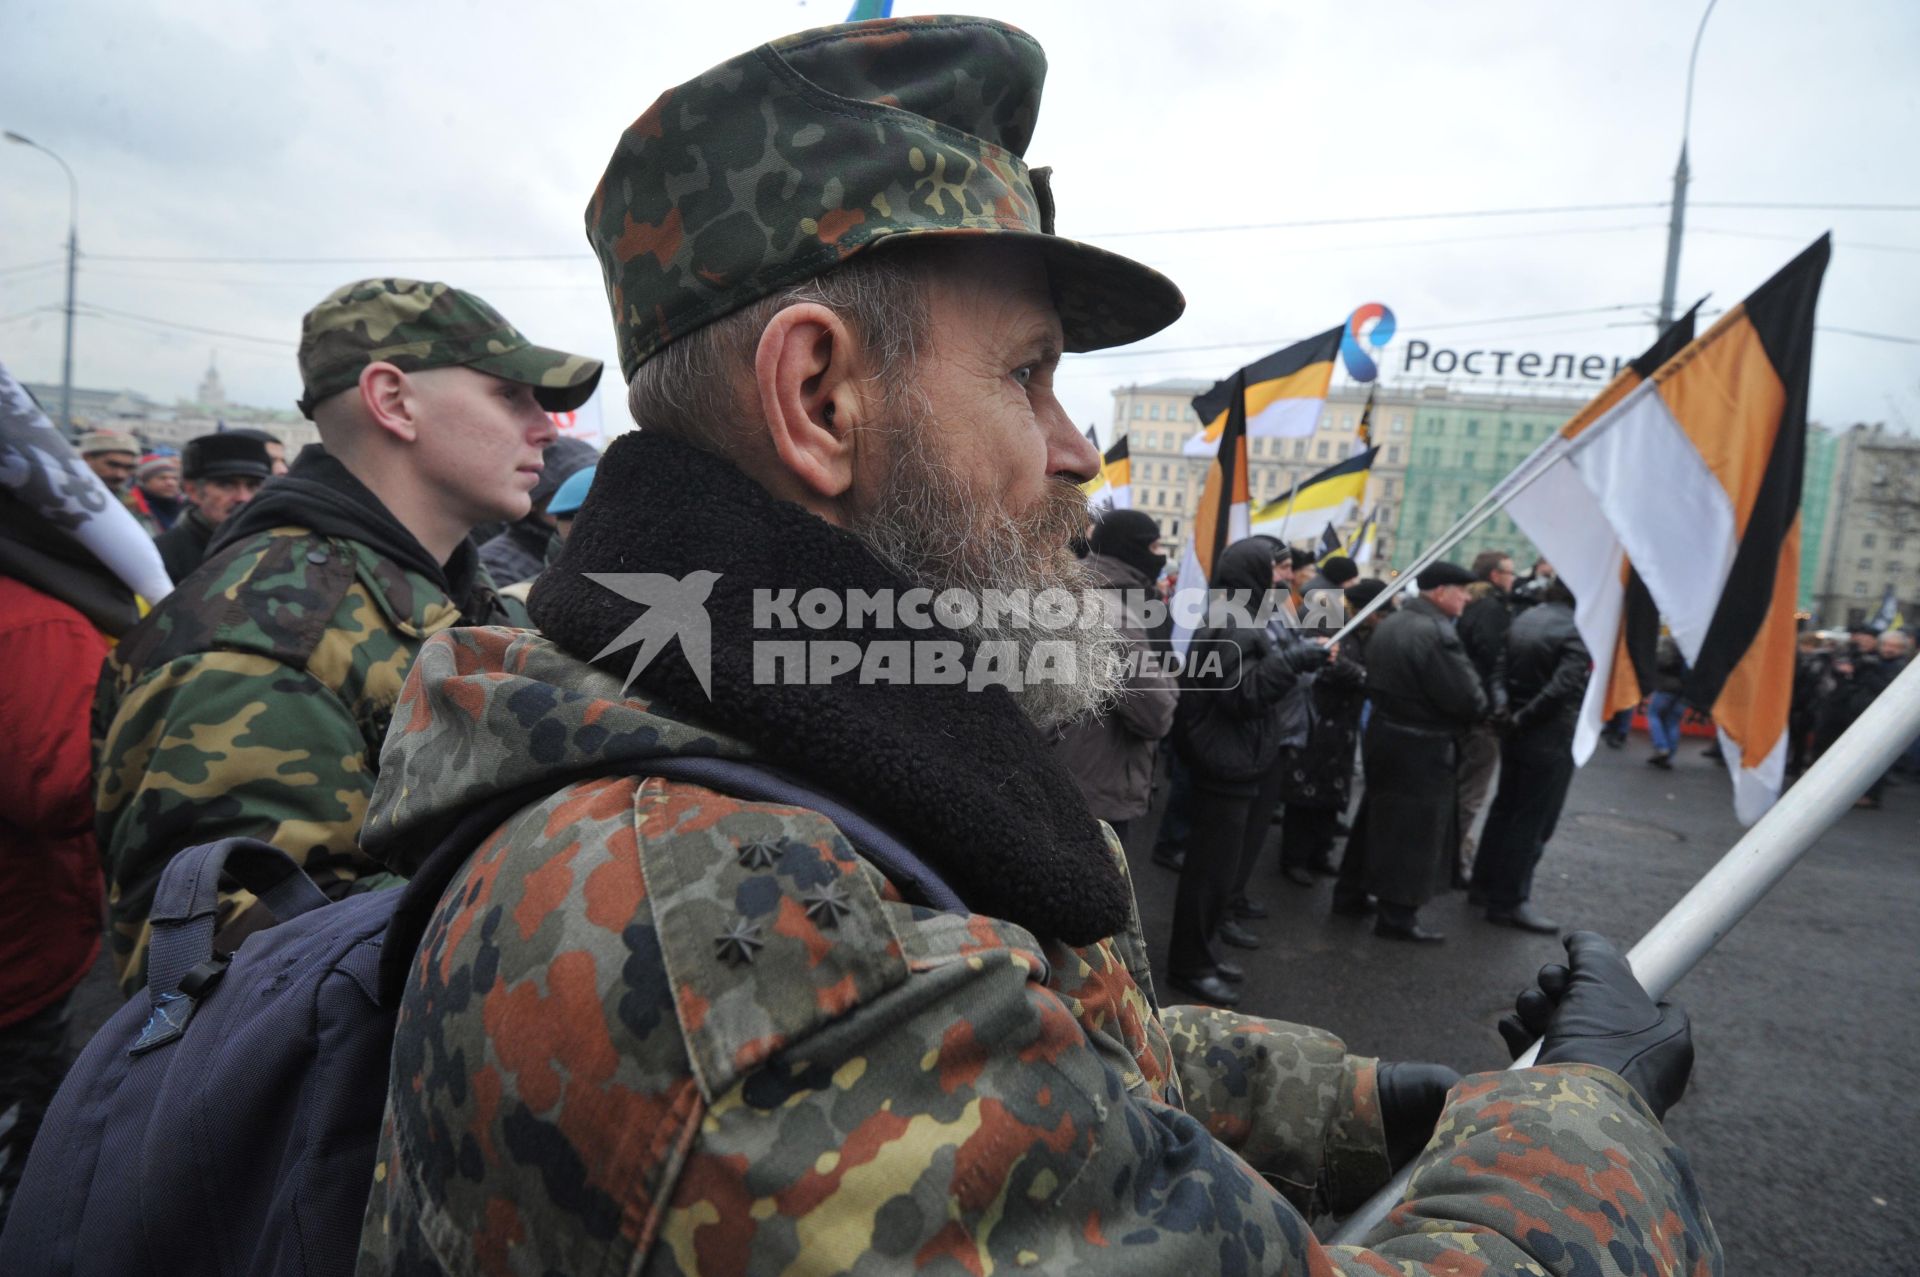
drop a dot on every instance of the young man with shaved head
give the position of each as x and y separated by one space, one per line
658 1025
253 700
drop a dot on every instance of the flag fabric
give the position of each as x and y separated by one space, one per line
1329 543
1363 437
41 470
1331 496
865 10
1112 488
1280 395
1360 548
1696 471
1617 617
1221 519
1888 616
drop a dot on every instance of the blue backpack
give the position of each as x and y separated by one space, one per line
227 1122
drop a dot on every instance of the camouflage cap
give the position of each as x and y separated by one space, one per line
785 161
415 325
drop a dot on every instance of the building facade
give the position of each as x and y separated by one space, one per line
1872 529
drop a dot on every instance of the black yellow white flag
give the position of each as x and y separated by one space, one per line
1693 475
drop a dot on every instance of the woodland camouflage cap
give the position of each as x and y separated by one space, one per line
415 325
782 163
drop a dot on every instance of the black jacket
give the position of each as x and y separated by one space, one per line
1547 670
184 545
1419 675
1483 632
1228 728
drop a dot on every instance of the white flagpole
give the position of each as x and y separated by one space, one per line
1731 889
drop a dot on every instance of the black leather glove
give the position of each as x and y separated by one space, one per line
1593 1011
1306 658
1411 1097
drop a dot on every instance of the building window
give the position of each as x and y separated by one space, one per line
1397 424
1153 412
1299 449
1867 540
1895 567
1473 428
1176 527
1859 589
1897 543
1393 453
1506 430
1139 410
1466 460
1866 565
1346 421
1323 450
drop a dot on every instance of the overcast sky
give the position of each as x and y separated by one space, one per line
395 135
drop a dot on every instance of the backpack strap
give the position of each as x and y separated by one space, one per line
755 781
181 962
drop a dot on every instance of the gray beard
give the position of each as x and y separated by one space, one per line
930 526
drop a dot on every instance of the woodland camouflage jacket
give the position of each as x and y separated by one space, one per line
253 702
656 1029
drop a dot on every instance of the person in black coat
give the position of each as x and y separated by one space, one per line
223 471
1547 669
1227 732
1426 694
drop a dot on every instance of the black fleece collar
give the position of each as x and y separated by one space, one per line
962 776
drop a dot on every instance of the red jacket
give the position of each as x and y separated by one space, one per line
50 892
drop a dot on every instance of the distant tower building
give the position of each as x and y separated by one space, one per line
211 393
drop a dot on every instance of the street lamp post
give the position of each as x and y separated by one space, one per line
73 257
1677 219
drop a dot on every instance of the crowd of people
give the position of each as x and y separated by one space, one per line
754 973
1468 680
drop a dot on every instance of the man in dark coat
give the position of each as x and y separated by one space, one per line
1547 669
223 471
1110 753
1227 730
1426 694
1483 628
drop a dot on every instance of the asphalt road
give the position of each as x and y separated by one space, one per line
1804 1109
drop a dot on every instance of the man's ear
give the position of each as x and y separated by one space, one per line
807 375
388 396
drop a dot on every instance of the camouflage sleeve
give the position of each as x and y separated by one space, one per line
1561 1169
1288 1099
216 745
964 1122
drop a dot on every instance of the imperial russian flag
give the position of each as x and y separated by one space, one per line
1113 486
1281 394
1221 519
1696 472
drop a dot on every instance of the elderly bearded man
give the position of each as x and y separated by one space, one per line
660 1027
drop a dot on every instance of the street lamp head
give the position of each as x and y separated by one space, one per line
11 136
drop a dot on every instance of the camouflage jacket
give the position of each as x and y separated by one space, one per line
252 701
657 1029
